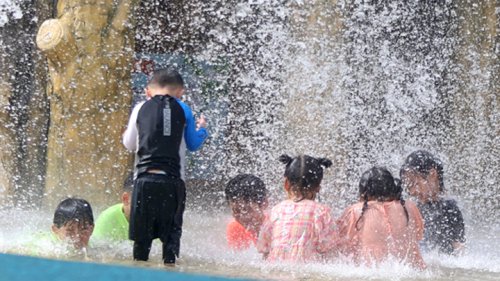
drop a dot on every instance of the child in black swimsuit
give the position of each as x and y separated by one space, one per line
422 176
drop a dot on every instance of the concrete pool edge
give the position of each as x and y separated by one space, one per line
27 268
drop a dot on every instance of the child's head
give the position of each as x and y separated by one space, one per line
378 184
166 81
126 197
422 176
247 197
303 175
74 222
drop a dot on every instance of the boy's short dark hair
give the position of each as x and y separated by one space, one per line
246 187
166 77
72 209
128 185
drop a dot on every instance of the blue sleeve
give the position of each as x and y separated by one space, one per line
194 138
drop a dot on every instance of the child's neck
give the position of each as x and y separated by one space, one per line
299 197
161 94
380 199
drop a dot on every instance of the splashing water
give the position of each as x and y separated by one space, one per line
480 261
360 82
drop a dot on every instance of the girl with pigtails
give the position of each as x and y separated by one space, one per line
299 229
382 225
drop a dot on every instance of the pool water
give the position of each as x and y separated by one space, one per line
204 251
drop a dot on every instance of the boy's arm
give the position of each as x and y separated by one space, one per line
129 138
263 244
194 137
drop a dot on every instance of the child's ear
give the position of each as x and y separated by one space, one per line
265 203
432 176
55 229
287 185
126 198
147 91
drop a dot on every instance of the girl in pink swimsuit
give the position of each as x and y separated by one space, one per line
299 229
382 225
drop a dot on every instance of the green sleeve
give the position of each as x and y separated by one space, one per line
111 225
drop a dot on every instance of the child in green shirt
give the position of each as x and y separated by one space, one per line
112 224
72 227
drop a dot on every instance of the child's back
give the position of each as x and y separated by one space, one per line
382 225
383 231
297 231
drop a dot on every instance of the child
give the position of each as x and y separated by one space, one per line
112 224
422 176
299 229
247 197
159 130
382 224
71 230
74 222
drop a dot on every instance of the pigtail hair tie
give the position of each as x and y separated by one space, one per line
285 159
325 162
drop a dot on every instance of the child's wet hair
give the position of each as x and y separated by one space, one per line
246 187
166 77
379 184
304 173
423 162
73 209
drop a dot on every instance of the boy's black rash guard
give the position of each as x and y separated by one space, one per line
444 225
192 139
156 150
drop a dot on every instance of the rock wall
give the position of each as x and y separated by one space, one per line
89 48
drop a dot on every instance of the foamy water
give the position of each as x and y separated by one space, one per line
204 250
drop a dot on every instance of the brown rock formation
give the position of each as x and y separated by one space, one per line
89 50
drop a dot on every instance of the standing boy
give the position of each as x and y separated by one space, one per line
159 130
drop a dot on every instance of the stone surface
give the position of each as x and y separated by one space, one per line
89 48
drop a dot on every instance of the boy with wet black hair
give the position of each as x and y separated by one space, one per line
423 176
72 227
159 130
74 222
247 197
